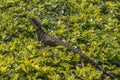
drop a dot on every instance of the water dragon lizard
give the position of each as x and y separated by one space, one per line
45 39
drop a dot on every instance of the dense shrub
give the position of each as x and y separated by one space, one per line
91 25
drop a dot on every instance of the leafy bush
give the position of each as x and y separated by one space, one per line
91 25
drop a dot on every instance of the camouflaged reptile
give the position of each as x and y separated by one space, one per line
45 39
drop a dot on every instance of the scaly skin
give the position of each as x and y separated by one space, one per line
46 39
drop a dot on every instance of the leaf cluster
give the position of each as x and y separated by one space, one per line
91 25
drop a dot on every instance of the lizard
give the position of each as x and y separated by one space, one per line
45 39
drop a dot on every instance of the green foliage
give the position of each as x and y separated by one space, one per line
92 25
